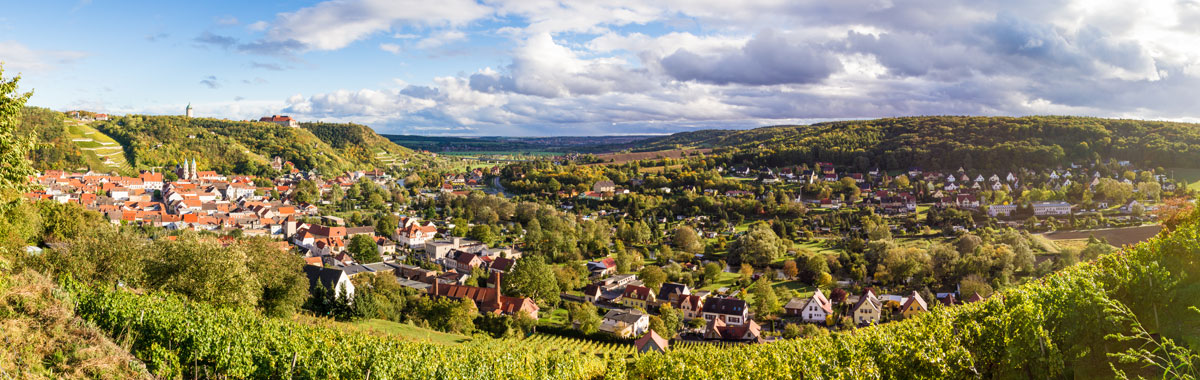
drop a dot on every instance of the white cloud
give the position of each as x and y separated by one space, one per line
332 25
441 38
391 48
18 58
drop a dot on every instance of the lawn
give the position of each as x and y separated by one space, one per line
725 279
410 332
818 246
556 317
1190 176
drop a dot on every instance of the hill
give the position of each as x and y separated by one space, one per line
948 142
64 143
358 142
243 147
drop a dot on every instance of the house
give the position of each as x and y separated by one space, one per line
731 311
671 293
1001 210
487 300
592 293
415 235
719 330
625 323
814 309
605 186
867 310
501 265
913 305
650 342
602 267
691 306
286 121
1051 208
638 296
330 278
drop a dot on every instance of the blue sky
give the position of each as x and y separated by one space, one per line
541 67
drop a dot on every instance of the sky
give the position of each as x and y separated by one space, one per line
542 68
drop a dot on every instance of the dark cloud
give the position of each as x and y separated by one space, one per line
420 92
208 38
768 58
211 82
267 66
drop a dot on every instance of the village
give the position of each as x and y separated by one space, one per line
423 255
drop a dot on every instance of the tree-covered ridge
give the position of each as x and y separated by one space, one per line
224 145
948 142
354 141
54 148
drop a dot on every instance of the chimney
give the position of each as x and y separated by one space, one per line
496 280
434 289
457 242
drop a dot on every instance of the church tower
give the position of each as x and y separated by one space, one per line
188 111
195 173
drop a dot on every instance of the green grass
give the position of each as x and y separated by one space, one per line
818 246
1190 176
725 279
412 333
556 317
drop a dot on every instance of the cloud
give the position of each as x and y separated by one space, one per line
19 58
769 58
334 24
391 48
227 20
545 68
255 81
441 38
258 26
208 38
211 82
156 37
267 66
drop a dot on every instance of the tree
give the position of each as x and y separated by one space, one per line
711 272
363 249
203 271
975 284
813 265
790 269
482 233
306 192
745 272
15 167
386 226
532 278
671 319
686 239
583 316
766 302
652 276
279 275
759 246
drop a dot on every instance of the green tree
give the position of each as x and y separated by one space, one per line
386 226
652 276
686 239
766 302
583 316
671 320
711 272
15 167
306 192
482 233
759 246
363 249
531 277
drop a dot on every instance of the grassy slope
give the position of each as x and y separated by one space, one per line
101 151
45 340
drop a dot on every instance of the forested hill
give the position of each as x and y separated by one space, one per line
356 141
948 142
228 146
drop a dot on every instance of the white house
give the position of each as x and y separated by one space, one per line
625 323
1051 208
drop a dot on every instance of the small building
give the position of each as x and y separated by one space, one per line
330 278
651 342
868 309
913 305
286 121
1051 208
638 296
625 323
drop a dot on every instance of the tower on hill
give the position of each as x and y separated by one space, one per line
188 111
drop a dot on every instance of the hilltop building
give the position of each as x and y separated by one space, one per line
188 111
286 121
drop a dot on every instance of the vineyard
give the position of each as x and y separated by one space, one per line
555 343
1057 327
177 339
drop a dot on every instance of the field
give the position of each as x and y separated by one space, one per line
409 332
101 152
552 343
1190 176
622 158
1116 237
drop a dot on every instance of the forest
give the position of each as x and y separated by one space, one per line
949 142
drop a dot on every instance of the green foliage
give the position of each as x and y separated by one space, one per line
363 249
759 246
14 167
652 276
531 277
236 343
